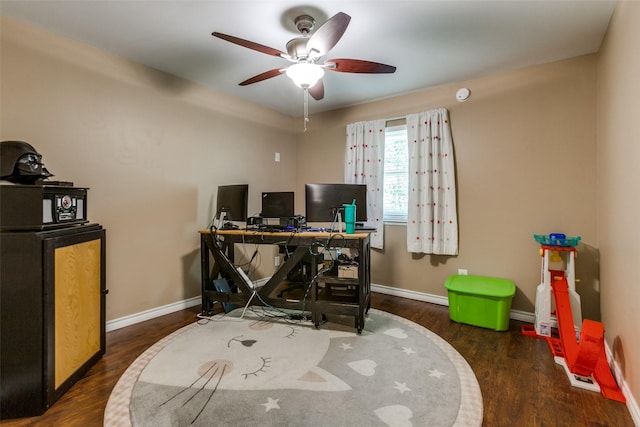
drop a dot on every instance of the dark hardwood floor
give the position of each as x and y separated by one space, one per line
521 385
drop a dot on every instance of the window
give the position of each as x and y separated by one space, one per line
396 174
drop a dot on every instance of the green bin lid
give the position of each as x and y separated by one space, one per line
480 285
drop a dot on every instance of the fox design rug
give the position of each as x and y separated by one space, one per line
263 370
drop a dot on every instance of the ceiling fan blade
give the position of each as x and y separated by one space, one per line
317 90
251 45
263 76
358 66
327 35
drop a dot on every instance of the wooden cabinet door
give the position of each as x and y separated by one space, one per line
77 300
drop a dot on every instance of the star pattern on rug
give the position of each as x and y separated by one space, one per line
435 373
408 350
401 387
328 373
271 404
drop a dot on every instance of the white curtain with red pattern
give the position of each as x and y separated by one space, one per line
432 224
364 164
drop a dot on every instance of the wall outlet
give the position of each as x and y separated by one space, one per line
463 271
276 261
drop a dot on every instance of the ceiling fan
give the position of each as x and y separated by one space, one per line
305 52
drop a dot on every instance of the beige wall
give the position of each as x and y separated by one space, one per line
152 149
618 184
532 146
525 145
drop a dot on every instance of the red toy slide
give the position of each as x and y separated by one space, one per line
587 357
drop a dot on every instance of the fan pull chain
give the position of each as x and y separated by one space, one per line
306 107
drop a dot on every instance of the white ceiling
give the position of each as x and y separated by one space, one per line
430 42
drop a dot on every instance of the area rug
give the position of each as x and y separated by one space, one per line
265 370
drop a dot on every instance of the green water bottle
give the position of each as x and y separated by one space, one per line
350 217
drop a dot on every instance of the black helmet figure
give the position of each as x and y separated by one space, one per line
20 163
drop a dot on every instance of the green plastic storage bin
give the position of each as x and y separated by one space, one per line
480 301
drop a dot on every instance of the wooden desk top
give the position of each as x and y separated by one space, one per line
322 234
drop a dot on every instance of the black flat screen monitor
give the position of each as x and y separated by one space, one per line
321 201
233 199
277 204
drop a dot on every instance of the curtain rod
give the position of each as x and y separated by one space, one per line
395 119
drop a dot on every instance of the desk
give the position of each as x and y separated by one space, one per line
353 298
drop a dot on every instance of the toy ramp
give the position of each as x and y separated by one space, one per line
587 357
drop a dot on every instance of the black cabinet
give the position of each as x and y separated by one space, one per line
52 314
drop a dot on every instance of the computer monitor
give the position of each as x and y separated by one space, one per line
233 200
277 204
322 200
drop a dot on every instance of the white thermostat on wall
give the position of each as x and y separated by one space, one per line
463 94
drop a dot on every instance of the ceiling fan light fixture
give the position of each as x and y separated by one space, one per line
305 52
305 75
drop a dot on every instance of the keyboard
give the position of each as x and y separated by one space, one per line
272 228
320 230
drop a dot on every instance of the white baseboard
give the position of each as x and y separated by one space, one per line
261 282
440 300
132 319
524 316
632 404
143 316
405 293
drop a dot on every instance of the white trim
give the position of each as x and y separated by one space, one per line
523 316
143 316
261 282
632 405
405 293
